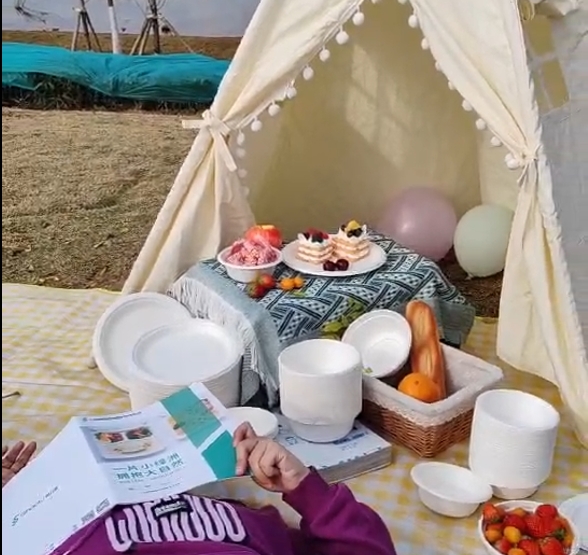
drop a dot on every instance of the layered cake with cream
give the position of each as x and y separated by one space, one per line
351 242
314 246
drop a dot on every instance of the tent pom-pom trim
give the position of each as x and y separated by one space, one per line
240 152
403 2
273 109
342 37
307 73
324 55
358 18
242 173
240 138
291 92
511 162
425 44
450 85
256 125
413 22
480 124
495 142
466 106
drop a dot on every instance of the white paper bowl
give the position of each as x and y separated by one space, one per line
320 434
449 490
383 338
248 274
528 506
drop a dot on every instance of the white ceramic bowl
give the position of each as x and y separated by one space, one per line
449 490
528 506
383 337
248 274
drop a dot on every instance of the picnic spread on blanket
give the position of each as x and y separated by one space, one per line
353 351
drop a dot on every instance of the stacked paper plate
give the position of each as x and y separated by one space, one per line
512 441
172 357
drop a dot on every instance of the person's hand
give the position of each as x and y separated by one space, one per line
15 459
273 467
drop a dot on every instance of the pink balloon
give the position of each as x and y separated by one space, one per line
421 219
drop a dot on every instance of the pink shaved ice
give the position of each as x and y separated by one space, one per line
251 253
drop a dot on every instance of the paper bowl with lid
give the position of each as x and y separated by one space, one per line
528 506
248 274
383 338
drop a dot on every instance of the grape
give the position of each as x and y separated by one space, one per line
329 266
342 265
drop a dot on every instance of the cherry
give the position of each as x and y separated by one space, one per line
342 265
329 266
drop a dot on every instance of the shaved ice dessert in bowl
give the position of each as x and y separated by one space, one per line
247 259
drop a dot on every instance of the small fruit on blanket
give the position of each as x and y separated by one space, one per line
512 534
256 291
419 386
529 547
515 521
491 514
287 284
558 527
329 266
551 546
298 282
546 511
268 233
496 526
342 265
516 551
503 546
493 535
266 280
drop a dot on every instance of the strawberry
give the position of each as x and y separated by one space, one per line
546 511
256 291
551 546
491 514
266 281
516 521
503 546
537 527
530 547
557 528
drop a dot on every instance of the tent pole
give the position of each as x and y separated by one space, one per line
154 15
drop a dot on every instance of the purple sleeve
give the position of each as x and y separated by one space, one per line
334 522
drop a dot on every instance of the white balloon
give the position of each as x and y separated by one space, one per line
481 239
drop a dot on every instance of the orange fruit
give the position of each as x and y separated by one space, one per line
518 511
493 535
420 387
287 284
298 282
516 551
512 534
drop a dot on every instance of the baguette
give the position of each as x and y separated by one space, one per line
426 355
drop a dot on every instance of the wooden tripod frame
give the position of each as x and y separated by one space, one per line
154 22
84 24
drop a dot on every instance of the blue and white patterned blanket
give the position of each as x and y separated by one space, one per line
287 317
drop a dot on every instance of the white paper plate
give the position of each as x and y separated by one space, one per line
576 509
121 326
181 354
263 422
375 259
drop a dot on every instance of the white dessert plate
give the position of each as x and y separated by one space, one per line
576 509
121 326
263 422
185 353
374 260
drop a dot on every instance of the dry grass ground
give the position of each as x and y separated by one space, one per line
80 190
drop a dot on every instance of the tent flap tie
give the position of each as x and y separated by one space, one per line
219 131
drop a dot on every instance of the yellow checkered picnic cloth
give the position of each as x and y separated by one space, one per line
46 337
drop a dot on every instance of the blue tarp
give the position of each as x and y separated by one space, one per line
182 78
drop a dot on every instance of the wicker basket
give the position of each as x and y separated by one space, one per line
429 429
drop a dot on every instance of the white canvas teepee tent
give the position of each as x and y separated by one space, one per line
331 106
